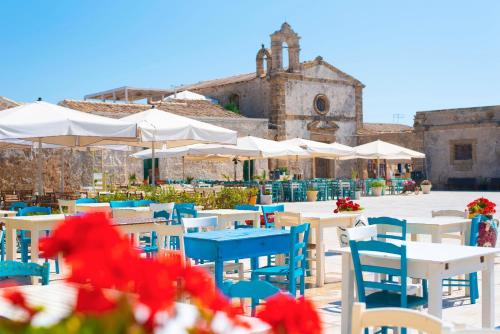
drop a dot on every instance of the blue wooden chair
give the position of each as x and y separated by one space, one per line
181 206
143 202
16 206
24 240
399 224
86 200
268 212
121 204
471 281
255 290
297 263
384 293
9 269
245 207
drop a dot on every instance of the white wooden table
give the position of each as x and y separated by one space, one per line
7 213
436 227
91 207
433 262
227 217
35 224
139 212
320 221
58 299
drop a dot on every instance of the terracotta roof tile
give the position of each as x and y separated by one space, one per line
188 108
219 82
372 128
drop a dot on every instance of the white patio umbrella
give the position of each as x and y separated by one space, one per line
321 150
48 123
379 149
157 127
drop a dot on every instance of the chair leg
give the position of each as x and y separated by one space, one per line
302 285
474 289
292 285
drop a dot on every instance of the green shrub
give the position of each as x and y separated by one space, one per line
378 183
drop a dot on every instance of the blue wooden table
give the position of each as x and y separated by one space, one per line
225 245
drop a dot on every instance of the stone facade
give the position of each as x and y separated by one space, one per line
287 96
461 144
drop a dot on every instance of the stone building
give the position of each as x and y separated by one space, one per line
310 99
462 146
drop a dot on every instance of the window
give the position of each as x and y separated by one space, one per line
235 99
321 104
463 152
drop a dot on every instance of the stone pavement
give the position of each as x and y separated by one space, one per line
457 309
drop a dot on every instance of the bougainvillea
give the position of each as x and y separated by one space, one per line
346 204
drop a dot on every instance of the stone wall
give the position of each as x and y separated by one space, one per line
442 129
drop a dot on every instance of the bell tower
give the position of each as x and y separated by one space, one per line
287 36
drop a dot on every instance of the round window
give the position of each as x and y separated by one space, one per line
321 104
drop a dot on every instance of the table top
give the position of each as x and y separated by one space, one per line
326 215
38 218
435 220
436 253
58 298
8 212
134 208
243 233
93 205
227 212
137 220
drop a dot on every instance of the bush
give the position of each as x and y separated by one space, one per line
378 183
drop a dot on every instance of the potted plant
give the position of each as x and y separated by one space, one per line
409 186
266 197
357 192
252 195
189 179
347 205
312 194
377 187
426 186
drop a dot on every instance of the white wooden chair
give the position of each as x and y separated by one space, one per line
158 207
69 205
394 317
210 224
362 232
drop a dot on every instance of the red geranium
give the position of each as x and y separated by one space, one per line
288 315
16 298
346 204
482 206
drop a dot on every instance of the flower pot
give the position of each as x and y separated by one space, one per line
312 195
357 194
252 200
266 199
377 191
426 188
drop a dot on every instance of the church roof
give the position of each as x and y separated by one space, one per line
188 108
374 128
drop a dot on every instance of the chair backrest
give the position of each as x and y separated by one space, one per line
257 290
121 204
86 200
167 231
299 235
268 212
184 212
165 210
21 269
247 207
449 213
388 221
282 219
16 206
69 205
380 248
143 202
394 317
34 210
128 213
362 232
199 224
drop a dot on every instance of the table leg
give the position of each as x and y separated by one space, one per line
10 242
488 291
219 268
435 283
347 293
320 257
256 220
35 235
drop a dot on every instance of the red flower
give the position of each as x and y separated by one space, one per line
346 205
482 206
16 298
93 301
285 314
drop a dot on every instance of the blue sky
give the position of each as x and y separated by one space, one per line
411 55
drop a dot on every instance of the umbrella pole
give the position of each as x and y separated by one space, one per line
62 170
235 166
248 167
153 176
39 171
313 167
183 169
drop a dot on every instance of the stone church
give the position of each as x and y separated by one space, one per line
310 99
